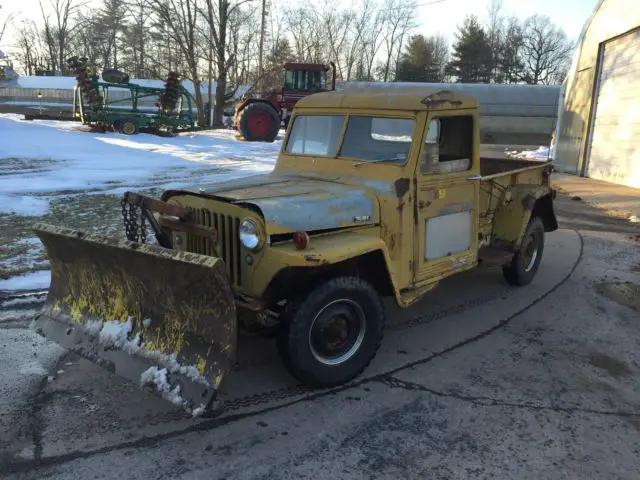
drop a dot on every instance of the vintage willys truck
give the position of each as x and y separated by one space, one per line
375 193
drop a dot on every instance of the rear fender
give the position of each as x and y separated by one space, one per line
249 101
515 212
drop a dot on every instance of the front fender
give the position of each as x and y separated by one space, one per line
322 251
513 215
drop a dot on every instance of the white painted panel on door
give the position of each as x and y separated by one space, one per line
447 235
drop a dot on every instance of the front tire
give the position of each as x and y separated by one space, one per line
331 334
525 262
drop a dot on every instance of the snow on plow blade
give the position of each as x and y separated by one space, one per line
161 318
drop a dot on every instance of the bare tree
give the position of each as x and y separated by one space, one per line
495 36
181 18
31 52
85 41
546 51
510 52
219 15
336 26
58 31
4 22
136 37
309 38
355 49
372 39
399 15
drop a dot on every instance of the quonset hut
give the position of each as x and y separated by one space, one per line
598 132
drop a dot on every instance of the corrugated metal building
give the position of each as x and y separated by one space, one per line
598 133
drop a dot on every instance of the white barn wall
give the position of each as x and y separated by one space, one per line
610 18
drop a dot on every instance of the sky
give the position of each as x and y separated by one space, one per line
434 16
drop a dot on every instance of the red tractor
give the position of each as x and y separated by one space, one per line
260 119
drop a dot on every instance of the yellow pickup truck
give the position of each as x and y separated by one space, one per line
375 193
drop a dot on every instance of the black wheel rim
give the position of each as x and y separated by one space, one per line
530 253
337 332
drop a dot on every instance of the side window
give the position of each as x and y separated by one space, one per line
448 145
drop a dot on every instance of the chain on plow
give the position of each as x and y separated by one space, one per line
135 225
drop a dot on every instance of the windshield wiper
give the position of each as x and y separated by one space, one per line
356 164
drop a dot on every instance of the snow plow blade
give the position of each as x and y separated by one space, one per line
159 317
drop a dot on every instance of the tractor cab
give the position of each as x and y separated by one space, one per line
305 77
260 119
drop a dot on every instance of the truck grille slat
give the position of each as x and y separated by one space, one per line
229 247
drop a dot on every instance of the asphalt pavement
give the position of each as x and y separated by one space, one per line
479 380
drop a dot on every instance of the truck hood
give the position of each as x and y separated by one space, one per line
291 203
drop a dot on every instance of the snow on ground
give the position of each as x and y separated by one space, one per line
542 153
57 172
30 281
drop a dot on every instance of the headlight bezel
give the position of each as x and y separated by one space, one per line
259 233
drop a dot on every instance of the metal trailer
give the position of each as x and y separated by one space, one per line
125 115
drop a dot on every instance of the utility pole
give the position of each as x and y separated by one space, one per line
260 64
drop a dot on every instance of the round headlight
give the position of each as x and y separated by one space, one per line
249 234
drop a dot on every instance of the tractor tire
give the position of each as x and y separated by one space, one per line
128 127
259 122
331 334
524 264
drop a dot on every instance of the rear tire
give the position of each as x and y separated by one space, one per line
128 127
330 335
259 122
524 264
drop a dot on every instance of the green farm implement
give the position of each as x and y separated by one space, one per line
117 104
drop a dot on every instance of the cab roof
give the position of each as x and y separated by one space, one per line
385 98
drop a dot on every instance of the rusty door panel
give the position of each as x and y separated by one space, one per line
446 207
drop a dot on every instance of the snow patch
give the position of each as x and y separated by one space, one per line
14 302
158 377
198 411
542 153
30 281
23 205
93 328
116 333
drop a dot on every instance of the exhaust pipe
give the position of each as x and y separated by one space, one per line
333 80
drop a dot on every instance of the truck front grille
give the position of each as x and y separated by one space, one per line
229 247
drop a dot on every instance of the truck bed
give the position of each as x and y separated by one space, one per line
496 167
497 175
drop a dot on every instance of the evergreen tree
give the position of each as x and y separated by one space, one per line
424 60
472 55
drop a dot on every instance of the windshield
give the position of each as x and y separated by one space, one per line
315 135
368 139
305 80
